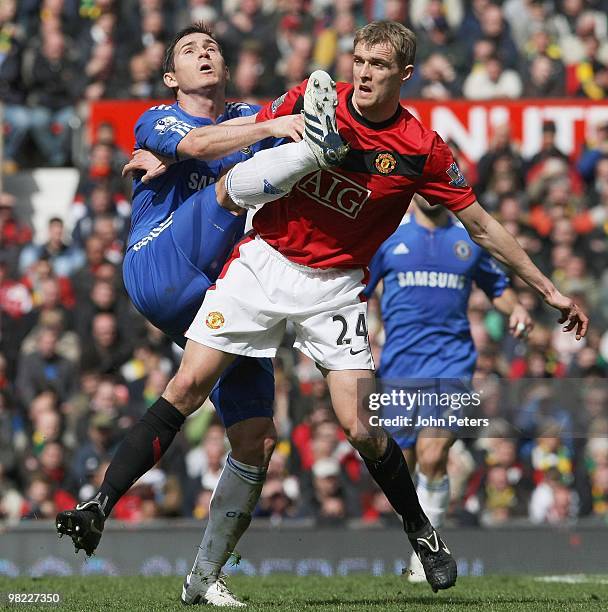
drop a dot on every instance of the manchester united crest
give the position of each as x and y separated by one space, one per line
385 163
215 320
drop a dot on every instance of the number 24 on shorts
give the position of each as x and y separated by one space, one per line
360 329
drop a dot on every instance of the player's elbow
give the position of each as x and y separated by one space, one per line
479 231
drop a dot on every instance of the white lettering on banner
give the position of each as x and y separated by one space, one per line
594 116
565 119
424 278
532 129
470 125
499 115
472 137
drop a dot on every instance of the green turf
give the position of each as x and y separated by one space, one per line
353 593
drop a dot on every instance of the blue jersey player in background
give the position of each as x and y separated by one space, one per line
428 267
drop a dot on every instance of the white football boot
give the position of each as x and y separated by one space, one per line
320 128
208 590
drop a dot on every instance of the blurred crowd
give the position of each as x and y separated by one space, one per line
56 55
78 365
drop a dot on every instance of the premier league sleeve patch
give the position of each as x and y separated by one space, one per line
456 176
172 124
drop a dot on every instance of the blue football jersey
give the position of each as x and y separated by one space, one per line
427 277
160 129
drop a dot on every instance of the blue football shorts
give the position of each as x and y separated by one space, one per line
166 278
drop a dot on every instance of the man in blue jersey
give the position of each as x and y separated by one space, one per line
183 227
427 268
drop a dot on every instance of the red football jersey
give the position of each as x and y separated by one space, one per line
338 218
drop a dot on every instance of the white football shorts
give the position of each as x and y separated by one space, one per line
259 290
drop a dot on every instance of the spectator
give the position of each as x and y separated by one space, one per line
64 259
493 27
329 498
101 205
591 73
545 78
54 82
491 80
248 24
45 369
95 450
594 152
107 351
205 462
39 502
553 502
12 88
439 79
548 148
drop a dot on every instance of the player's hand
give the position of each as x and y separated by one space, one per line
571 314
151 164
290 126
520 322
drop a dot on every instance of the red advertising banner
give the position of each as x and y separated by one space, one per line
469 124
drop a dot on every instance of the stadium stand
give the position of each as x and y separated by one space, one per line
78 365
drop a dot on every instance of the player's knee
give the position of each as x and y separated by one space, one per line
184 391
433 461
253 441
368 442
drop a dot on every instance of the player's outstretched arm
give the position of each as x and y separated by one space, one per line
216 141
488 233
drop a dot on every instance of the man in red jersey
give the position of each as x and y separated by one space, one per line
306 261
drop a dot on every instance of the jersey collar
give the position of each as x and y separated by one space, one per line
372 125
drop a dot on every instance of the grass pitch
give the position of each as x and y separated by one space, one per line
353 593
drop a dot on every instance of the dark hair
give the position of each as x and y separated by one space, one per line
196 28
56 220
402 39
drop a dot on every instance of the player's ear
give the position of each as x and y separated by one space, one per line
406 73
170 80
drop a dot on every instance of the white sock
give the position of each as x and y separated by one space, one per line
434 497
269 174
233 500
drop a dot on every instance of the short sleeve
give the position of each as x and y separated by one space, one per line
442 182
490 277
290 103
160 130
377 271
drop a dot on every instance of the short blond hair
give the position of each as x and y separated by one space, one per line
402 39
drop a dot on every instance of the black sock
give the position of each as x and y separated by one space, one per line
141 449
393 477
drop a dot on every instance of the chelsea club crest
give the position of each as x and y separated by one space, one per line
463 250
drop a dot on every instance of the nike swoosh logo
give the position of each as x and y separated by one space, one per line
432 547
94 528
357 352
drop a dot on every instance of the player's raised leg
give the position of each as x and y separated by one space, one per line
271 174
387 466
